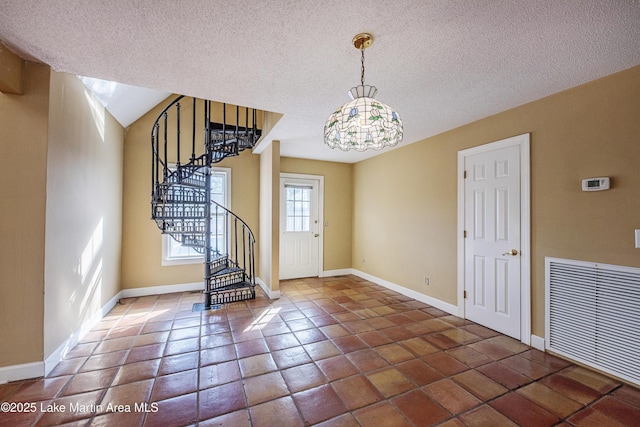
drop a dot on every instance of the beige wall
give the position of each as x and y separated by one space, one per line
268 241
405 203
84 209
23 150
338 206
142 240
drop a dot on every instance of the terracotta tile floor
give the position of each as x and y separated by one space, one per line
333 352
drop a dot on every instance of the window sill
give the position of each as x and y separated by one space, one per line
182 261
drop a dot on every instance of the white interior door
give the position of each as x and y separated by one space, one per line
492 261
299 227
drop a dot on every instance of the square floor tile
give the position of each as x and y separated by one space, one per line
90 381
217 355
182 346
480 385
504 375
486 416
290 357
137 371
265 387
618 410
526 367
390 382
625 394
218 374
239 418
257 365
38 390
545 359
335 331
147 352
356 392
349 344
321 350
216 340
219 400
77 407
104 361
179 362
451 396
281 412
418 346
445 364
178 411
128 394
303 377
251 348
67 367
173 385
367 360
372 415
309 336
591 379
571 388
549 399
469 356
282 341
337 367
313 412
420 408
394 353
523 411
419 372
374 338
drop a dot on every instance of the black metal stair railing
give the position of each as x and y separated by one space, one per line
181 202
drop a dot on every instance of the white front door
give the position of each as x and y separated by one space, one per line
299 228
492 246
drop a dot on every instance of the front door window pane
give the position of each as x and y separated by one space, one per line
298 208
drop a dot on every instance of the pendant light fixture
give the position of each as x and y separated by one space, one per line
363 123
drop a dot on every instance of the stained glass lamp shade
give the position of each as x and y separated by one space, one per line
364 122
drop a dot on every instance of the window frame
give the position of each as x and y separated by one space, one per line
168 241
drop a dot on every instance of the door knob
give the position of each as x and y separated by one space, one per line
513 252
316 235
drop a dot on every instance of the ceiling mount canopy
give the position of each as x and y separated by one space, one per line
363 122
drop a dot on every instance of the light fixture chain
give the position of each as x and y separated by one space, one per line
362 68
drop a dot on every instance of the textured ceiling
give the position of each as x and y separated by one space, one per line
440 63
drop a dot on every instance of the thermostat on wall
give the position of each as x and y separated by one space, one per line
595 184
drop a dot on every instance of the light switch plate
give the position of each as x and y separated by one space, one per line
638 239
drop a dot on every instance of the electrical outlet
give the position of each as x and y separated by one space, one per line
426 281
363 262
638 239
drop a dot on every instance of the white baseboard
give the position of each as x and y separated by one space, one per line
268 292
342 272
42 368
59 353
163 289
439 304
537 342
21 372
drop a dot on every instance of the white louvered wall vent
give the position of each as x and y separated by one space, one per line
593 315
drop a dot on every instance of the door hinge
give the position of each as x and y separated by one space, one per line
465 175
464 234
464 294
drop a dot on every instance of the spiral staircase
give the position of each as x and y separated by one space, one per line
181 202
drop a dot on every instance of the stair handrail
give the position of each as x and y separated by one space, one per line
156 159
248 246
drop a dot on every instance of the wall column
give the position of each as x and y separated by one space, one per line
269 238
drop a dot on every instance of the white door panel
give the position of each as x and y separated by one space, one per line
299 228
492 219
